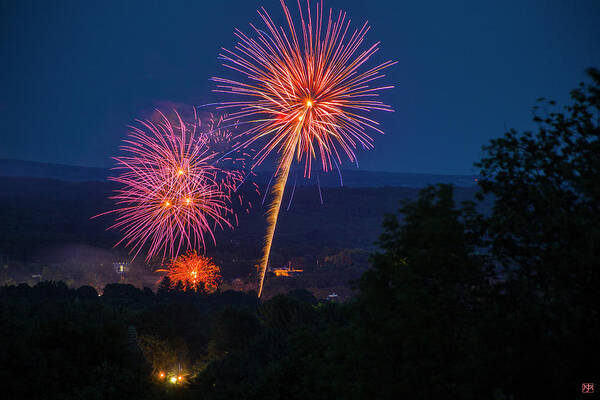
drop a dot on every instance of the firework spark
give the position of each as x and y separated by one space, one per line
172 195
194 272
304 94
221 139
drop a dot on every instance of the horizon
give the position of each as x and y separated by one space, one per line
264 169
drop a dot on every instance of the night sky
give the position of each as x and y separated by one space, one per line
73 74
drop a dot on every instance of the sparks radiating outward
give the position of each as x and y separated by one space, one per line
194 271
221 139
173 196
304 94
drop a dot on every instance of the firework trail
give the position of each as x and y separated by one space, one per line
304 94
193 271
172 195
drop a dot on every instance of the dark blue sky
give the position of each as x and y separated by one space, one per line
73 74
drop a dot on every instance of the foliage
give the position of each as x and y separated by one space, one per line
457 305
544 233
545 222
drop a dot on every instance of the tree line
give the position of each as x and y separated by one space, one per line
456 305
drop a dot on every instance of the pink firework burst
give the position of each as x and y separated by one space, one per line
172 195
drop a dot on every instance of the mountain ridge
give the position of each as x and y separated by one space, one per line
346 177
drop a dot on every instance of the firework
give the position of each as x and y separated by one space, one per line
172 194
304 94
222 140
194 272
220 137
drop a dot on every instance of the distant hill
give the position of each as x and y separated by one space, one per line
349 178
31 169
356 178
38 215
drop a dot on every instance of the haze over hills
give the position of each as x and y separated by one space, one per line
349 177
48 233
47 229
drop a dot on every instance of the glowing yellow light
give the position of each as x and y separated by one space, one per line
180 377
173 379
309 103
161 375
188 200
180 172
300 118
167 204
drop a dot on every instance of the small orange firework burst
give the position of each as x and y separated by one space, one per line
194 271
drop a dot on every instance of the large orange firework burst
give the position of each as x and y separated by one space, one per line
194 271
304 94
172 194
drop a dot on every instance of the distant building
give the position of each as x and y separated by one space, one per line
121 268
286 270
237 284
